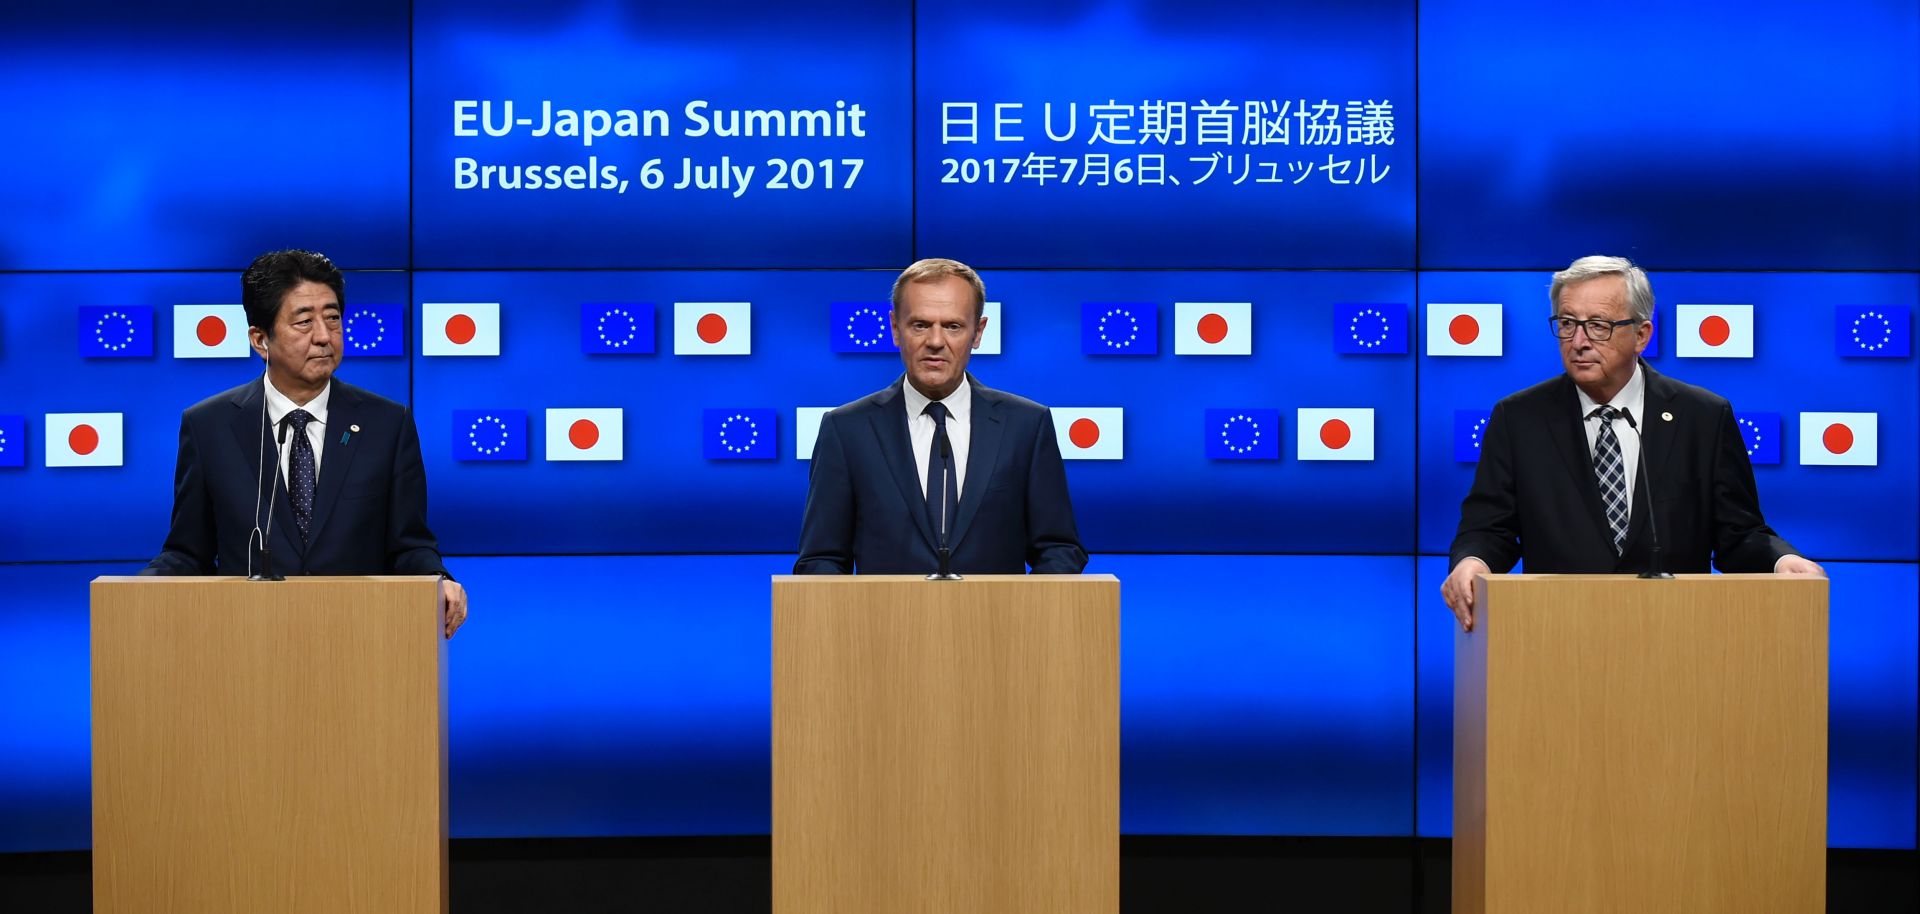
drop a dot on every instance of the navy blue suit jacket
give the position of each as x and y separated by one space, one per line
866 513
369 513
1535 497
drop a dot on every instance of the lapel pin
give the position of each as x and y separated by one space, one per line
1664 417
356 428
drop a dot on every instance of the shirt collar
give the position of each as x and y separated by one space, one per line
1632 396
279 404
959 403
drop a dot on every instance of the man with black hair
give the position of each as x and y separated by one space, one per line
350 490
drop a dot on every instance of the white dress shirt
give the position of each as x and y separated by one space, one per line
920 428
1633 398
278 406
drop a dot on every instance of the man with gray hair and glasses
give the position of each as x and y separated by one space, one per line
1563 481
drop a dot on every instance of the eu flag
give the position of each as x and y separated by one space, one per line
1243 434
1873 331
862 326
1370 329
1119 328
1761 433
116 331
737 434
13 441
1469 430
616 328
489 434
372 330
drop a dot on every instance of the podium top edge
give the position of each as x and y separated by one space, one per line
297 580
972 578
1621 578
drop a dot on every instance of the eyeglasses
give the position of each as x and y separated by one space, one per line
1598 330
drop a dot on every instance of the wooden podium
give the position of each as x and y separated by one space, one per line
269 746
1623 745
946 746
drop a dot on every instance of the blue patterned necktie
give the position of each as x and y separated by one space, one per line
301 472
1611 471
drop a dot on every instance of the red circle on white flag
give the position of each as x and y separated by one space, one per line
1838 438
1084 433
83 439
460 329
1336 434
211 330
583 434
1463 329
1212 328
1715 330
712 328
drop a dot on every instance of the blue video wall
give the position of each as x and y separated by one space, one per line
1270 264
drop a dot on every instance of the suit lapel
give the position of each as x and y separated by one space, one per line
983 454
248 427
896 449
1569 434
336 455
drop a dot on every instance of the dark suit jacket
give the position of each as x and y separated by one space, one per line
1535 497
369 514
865 511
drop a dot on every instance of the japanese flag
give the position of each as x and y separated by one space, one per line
712 328
1089 432
1713 331
460 329
1839 439
1335 434
1213 328
806 428
83 439
584 434
1463 329
990 337
210 332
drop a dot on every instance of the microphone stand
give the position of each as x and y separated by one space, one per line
945 572
1656 569
266 554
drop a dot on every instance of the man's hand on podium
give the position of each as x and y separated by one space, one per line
1458 589
456 604
1793 564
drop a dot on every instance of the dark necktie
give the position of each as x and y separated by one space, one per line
1611 472
301 472
940 480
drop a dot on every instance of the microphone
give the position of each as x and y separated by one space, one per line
1656 570
945 572
260 533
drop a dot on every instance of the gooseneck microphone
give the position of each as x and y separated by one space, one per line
259 533
1656 568
945 573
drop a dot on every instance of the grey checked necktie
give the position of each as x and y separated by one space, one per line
1609 469
301 472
